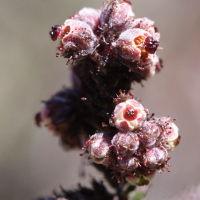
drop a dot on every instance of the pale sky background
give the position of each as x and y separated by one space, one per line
31 161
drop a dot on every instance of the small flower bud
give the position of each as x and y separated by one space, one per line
147 25
170 134
90 16
155 157
125 143
121 16
122 97
149 134
129 115
106 12
159 64
128 163
99 147
153 67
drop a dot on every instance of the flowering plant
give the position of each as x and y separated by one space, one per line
108 49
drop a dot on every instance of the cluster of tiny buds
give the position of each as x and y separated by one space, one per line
110 33
140 144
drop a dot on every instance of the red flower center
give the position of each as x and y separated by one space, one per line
129 113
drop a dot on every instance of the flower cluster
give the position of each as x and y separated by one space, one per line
138 147
109 49
111 35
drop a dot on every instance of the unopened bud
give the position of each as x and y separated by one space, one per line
153 67
128 163
149 134
99 147
155 157
170 135
90 16
125 143
121 16
147 25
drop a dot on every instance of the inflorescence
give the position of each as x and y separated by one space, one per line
109 49
138 146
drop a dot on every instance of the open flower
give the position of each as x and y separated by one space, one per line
129 115
135 45
77 36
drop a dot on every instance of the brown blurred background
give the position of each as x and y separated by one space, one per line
31 162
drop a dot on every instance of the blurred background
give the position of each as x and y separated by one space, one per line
31 162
